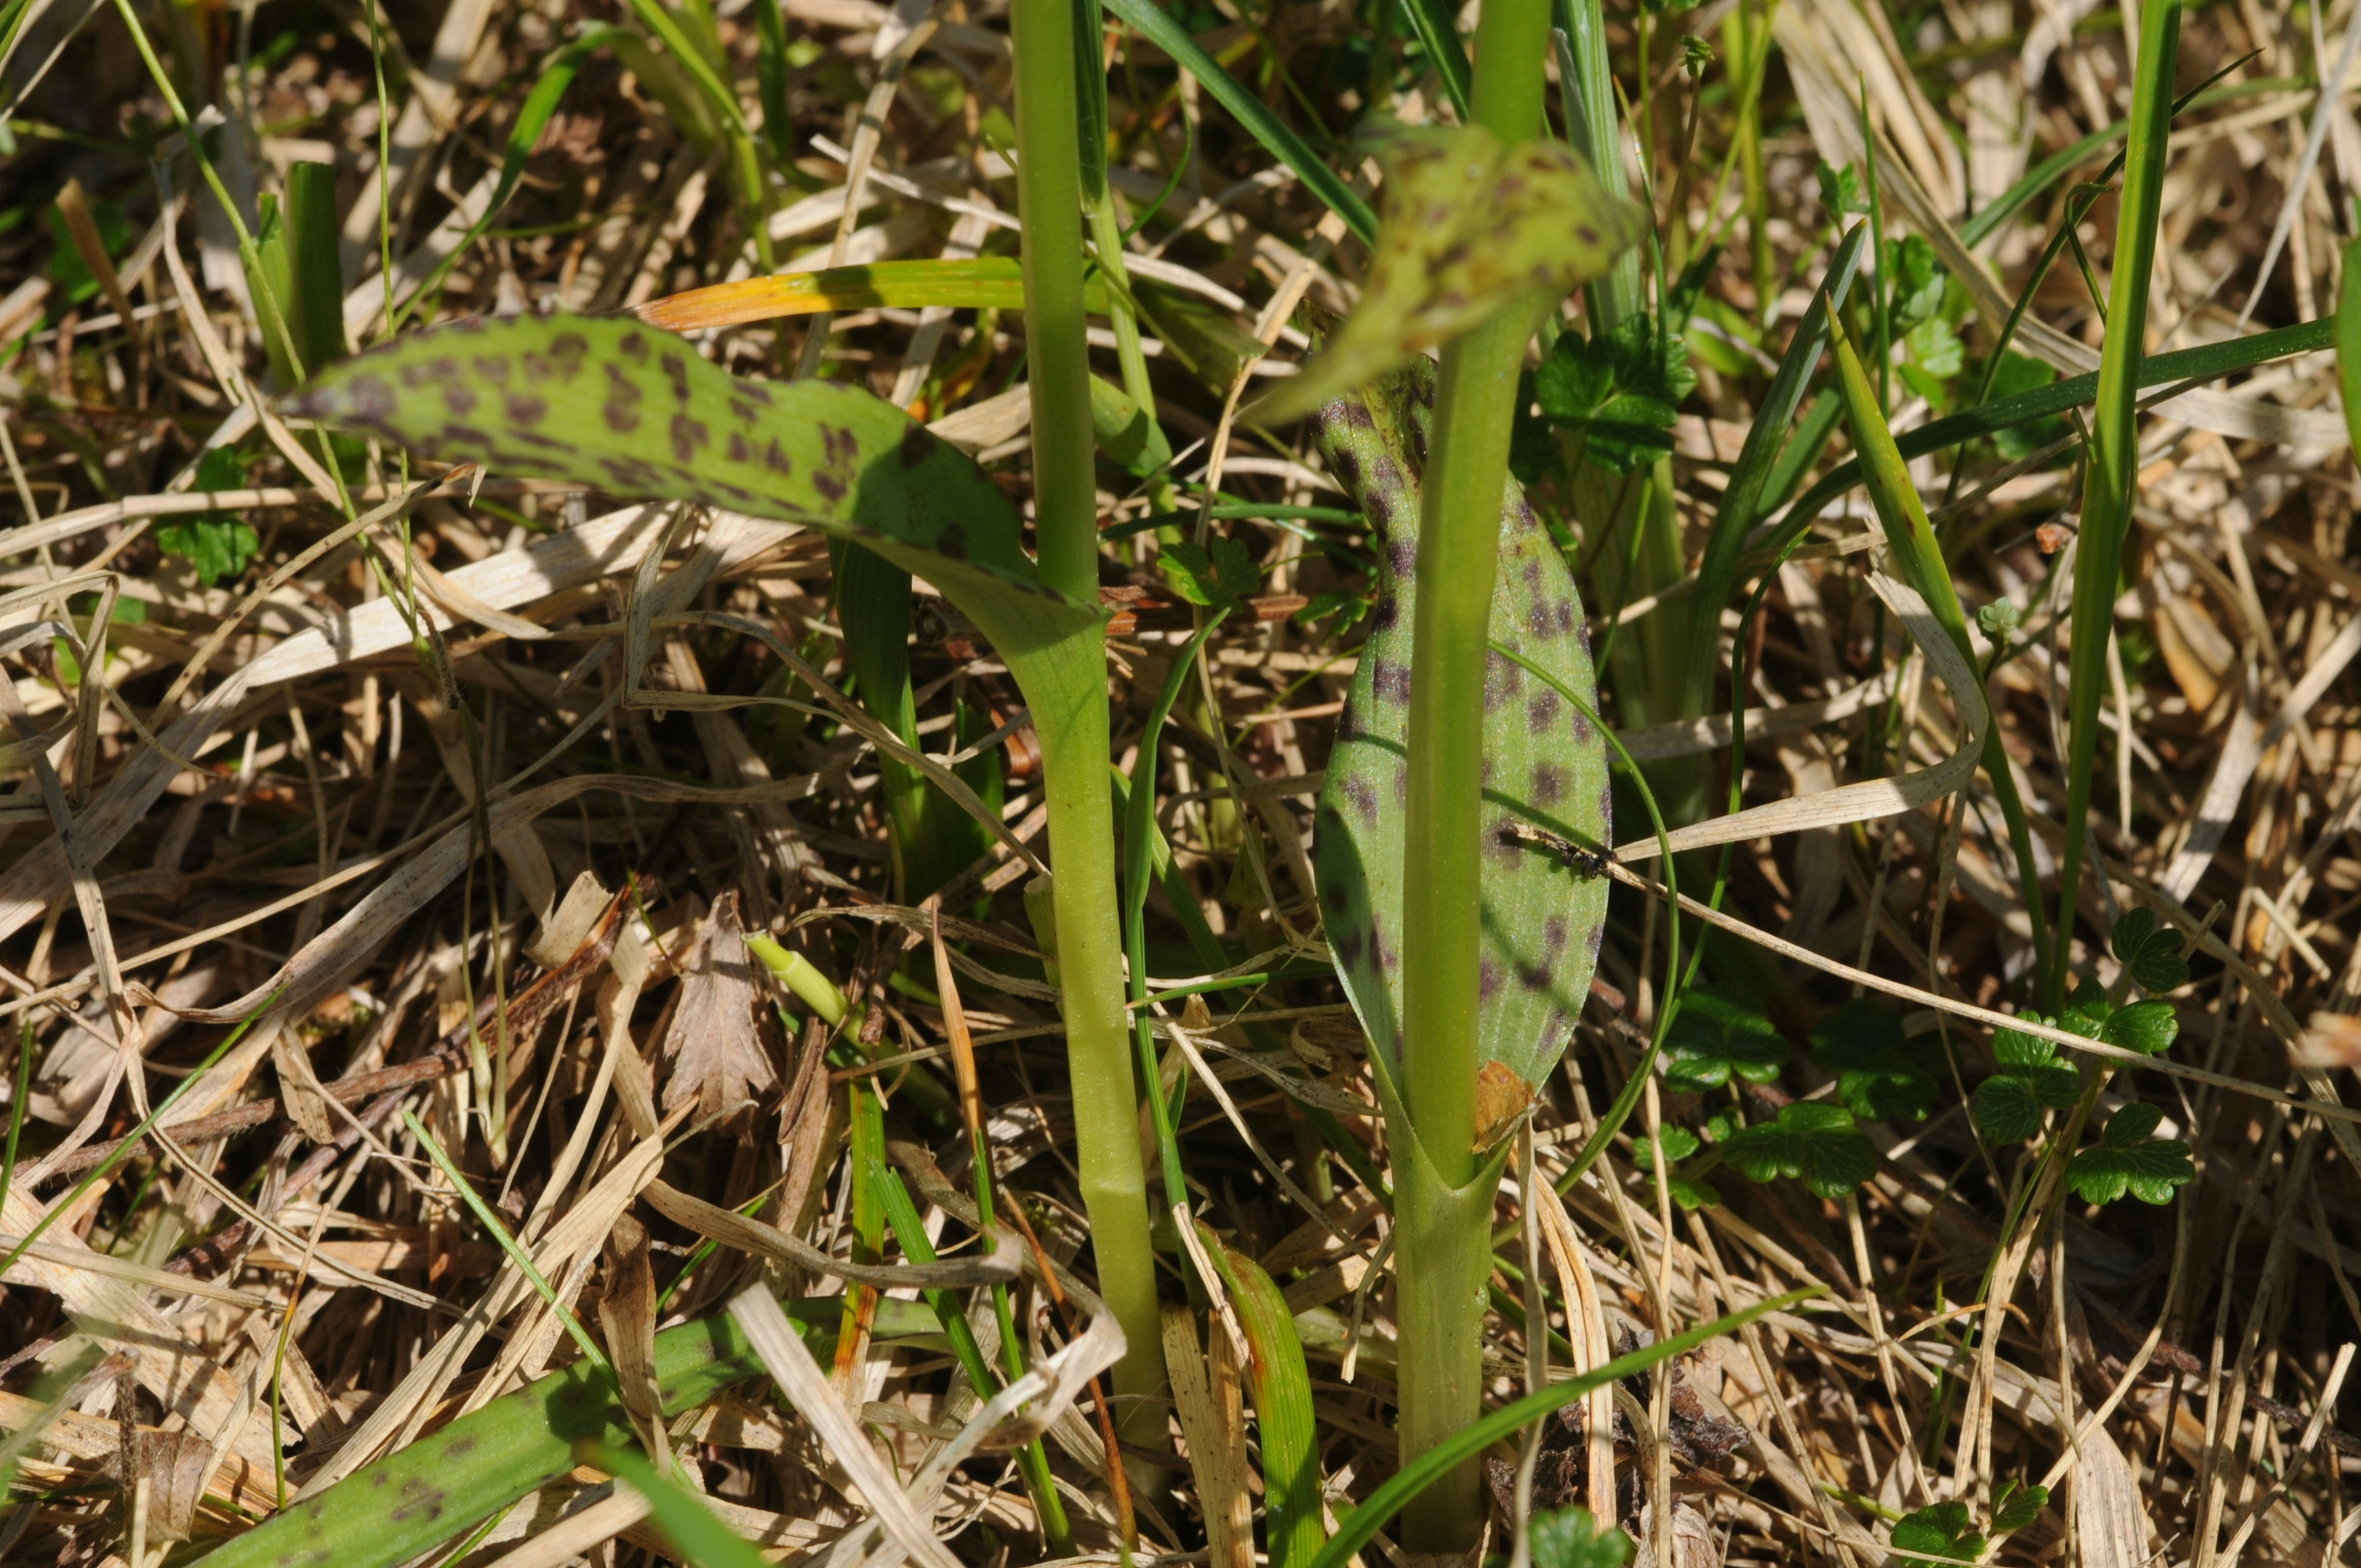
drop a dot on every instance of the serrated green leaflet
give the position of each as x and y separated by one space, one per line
1815 1143
1545 763
1943 1530
2008 1107
2154 955
634 411
1880 1075
1719 1035
1570 1537
1471 227
2131 1158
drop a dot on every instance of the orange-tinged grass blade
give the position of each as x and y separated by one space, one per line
988 282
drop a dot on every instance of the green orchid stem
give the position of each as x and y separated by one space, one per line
2114 449
1074 736
1444 1200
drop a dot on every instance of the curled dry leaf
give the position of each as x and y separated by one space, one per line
719 1057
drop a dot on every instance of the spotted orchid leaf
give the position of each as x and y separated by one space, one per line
635 412
1471 227
1544 762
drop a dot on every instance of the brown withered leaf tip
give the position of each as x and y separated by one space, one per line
715 1045
1501 1097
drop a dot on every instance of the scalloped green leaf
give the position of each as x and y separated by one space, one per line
1881 1076
2155 956
1813 1142
2130 1159
1544 761
2150 1026
1943 1530
1570 1537
1719 1035
633 411
2017 1506
2007 1109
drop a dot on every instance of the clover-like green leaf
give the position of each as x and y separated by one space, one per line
2150 1026
1219 578
1619 390
1471 227
1942 1529
1719 1035
1690 1191
1570 1537
216 544
2130 1159
2155 955
2016 1505
1919 280
1880 1076
1817 1143
1544 760
2032 1081
1840 194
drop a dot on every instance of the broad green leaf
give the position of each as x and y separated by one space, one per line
1814 1142
1881 1076
1570 1537
438 1487
1945 1530
2017 1506
2155 955
2131 1158
1719 1035
1471 227
1281 1384
1544 762
635 412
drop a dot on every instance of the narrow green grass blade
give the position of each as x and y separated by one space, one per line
532 118
1141 842
129 1144
2209 363
1743 503
1918 556
1438 34
1356 1530
523 1259
695 1530
2348 343
2114 462
1282 1401
1151 22
1545 763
